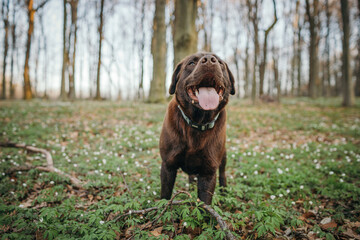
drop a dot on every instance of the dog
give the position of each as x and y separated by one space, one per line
193 134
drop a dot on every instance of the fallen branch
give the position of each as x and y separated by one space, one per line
49 163
219 219
171 202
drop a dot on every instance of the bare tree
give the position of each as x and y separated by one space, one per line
185 36
312 12
31 10
357 68
63 95
5 19
13 51
247 70
72 47
142 51
158 51
327 50
348 89
277 84
254 18
100 30
298 61
207 23
264 55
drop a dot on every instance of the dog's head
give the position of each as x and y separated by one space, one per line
202 80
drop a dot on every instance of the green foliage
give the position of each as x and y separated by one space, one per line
282 161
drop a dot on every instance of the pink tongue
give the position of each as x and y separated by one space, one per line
208 98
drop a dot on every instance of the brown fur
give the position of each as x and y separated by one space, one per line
197 152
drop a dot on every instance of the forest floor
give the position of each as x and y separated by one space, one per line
293 173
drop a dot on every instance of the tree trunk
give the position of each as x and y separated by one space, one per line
101 26
263 62
327 51
357 64
337 71
224 17
36 72
158 51
299 63
207 24
185 36
142 46
5 17
13 50
276 76
253 17
314 47
63 94
246 63
31 17
72 49
348 90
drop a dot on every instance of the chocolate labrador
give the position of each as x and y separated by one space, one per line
194 129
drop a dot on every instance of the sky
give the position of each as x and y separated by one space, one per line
121 61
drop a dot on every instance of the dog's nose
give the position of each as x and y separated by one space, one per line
208 59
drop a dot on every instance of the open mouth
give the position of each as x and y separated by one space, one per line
207 96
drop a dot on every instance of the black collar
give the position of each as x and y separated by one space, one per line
202 127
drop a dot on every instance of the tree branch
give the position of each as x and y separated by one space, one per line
41 5
49 163
171 202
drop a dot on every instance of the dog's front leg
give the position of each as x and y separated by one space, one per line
168 176
206 187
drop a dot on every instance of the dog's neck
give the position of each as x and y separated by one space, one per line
199 119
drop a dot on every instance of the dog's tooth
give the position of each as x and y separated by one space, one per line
192 101
196 92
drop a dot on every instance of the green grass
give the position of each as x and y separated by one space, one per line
283 162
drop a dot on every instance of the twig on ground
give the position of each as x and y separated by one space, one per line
126 185
219 219
49 163
171 202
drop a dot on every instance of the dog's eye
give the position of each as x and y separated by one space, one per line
191 63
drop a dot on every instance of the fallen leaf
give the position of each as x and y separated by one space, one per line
156 232
350 233
328 225
307 215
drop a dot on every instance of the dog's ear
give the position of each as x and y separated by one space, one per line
232 80
175 78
